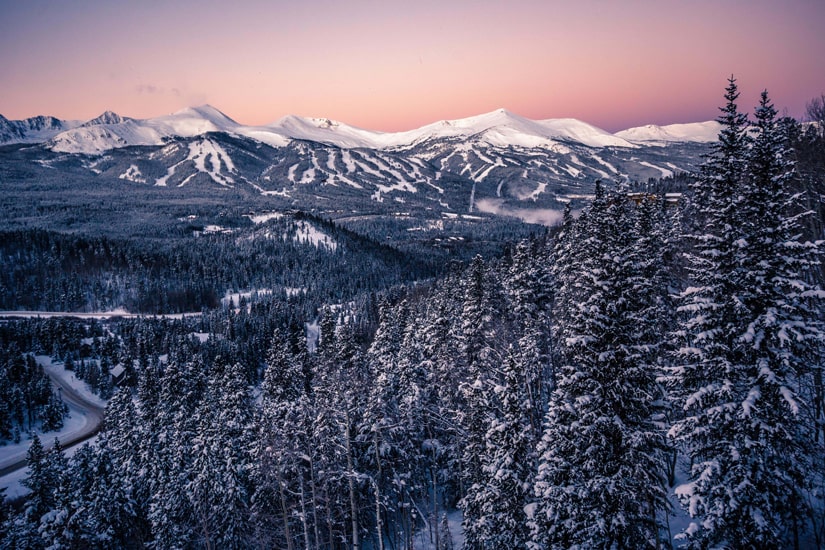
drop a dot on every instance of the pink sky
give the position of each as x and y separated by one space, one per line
395 65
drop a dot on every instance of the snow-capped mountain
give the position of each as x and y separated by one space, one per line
108 117
112 131
503 129
33 130
696 132
487 162
499 128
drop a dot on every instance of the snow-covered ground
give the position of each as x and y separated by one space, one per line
309 234
423 540
679 519
248 295
264 217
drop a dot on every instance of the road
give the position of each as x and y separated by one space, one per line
23 314
78 404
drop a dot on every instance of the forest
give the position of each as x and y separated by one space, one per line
582 387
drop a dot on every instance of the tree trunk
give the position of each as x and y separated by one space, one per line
353 505
313 489
287 532
304 517
379 527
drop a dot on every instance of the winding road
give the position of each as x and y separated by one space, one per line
77 404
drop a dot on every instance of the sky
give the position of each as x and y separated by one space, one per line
397 65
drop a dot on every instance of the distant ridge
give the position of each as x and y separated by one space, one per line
696 132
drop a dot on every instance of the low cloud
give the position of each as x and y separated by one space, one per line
151 89
542 216
148 89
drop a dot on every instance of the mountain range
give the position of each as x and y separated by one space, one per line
497 128
496 163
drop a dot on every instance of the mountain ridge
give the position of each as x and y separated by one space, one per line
500 128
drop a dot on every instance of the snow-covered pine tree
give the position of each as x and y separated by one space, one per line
474 421
748 334
107 511
43 482
279 448
431 340
783 335
601 472
529 290
507 463
701 383
340 378
481 338
126 439
219 490
68 525
392 425
168 454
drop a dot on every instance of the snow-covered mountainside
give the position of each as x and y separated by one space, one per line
495 162
499 128
108 117
33 130
448 174
112 131
697 132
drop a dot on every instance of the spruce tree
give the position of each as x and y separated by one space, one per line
748 332
508 463
601 470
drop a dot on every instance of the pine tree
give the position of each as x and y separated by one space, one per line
53 413
125 443
508 464
602 463
172 430
281 445
748 332
23 531
68 525
389 430
41 482
475 420
528 282
220 489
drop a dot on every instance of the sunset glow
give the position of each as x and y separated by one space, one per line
391 65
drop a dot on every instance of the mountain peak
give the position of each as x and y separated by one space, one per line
486 120
315 122
108 117
206 112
